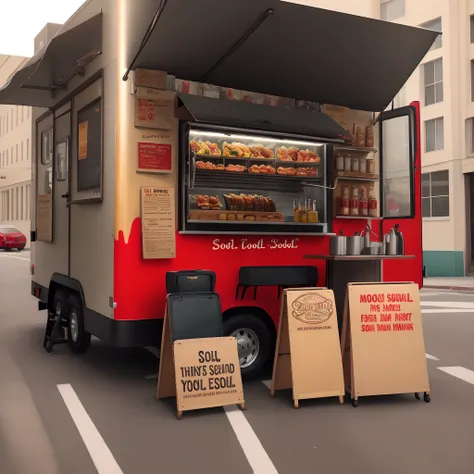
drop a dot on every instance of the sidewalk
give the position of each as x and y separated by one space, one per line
450 283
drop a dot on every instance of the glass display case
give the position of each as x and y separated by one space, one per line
245 182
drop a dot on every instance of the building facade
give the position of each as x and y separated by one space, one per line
15 156
16 146
444 85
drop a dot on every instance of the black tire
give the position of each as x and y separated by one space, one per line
8 250
263 334
20 249
78 338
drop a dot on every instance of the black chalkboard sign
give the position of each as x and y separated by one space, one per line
89 146
194 315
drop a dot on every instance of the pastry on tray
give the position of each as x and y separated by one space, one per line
262 169
235 150
235 168
246 202
307 156
287 154
260 151
205 202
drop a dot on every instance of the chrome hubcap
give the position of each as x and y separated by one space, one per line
73 325
248 346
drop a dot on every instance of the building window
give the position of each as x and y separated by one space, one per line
435 194
22 151
22 114
392 9
16 153
11 155
435 25
434 134
472 28
433 81
27 148
472 80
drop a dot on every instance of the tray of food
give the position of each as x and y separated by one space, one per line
296 155
262 169
249 202
235 150
298 172
207 202
205 148
260 152
209 166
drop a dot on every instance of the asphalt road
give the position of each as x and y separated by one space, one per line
120 425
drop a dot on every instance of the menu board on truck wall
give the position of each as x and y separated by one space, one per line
44 218
158 215
154 108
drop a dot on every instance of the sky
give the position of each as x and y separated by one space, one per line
22 20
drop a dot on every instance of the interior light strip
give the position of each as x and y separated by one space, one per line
254 138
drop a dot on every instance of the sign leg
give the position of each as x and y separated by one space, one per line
341 399
296 403
242 406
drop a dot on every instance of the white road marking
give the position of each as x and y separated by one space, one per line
267 383
255 453
459 372
15 257
102 458
151 376
446 311
428 356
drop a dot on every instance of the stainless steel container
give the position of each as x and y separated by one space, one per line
390 243
354 244
375 248
337 245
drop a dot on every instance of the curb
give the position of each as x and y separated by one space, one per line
467 289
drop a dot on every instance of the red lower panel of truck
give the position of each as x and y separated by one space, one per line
140 289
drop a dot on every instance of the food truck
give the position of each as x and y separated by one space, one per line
162 145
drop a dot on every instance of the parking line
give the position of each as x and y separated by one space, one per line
459 372
428 356
255 453
102 457
446 311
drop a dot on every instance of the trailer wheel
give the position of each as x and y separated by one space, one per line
78 338
254 342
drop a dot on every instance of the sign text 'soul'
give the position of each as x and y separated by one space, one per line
261 244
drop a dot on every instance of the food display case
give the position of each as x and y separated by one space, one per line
242 181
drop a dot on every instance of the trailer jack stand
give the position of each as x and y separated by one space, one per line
55 331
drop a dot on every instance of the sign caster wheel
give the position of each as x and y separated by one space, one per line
417 396
426 397
355 403
296 403
242 406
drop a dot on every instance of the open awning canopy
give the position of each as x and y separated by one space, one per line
52 68
235 113
285 49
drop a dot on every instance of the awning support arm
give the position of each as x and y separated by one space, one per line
146 37
269 12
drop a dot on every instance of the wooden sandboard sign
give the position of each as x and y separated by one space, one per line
200 373
382 341
308 354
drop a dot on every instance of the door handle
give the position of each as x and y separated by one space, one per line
65 196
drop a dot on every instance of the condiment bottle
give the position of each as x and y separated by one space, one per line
363 164
363 202
354 203
371 166
369 137
372 203
304 211
347 163
355 164
313 213
296 211
340 162
360 137
344 201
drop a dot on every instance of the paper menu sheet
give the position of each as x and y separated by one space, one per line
158 222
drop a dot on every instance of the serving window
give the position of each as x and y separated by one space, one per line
254 183
87 146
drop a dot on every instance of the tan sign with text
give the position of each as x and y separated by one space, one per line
308 355
44 218
158 222
383 345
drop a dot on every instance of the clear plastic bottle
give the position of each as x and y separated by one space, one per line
354 203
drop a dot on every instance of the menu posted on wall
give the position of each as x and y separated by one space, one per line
207 373
158 222
83 131
154 157
44 218
154 108
386 334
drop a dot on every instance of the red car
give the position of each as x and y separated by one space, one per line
11 238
